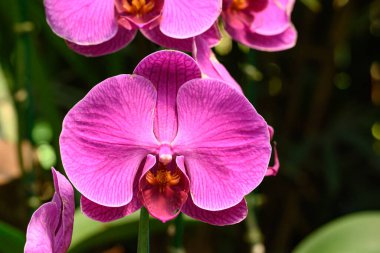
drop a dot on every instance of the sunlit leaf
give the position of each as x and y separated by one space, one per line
88 233
350 234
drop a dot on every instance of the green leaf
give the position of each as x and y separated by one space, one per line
89 234
359 232
11 239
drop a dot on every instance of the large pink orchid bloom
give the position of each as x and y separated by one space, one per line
98 27
51 226
260 24
166 139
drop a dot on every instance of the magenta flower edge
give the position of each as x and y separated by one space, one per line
51 226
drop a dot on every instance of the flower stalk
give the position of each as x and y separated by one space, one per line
143 237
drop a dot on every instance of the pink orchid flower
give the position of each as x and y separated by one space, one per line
99 27
51 226
260 24
166 139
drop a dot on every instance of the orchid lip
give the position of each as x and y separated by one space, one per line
163 190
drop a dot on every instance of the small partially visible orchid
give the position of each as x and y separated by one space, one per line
98 27
51 226
166 139
260 24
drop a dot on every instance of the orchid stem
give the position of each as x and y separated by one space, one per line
143 239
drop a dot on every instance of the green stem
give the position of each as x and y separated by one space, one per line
143 240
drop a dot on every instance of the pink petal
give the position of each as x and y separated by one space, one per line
224 141
50 228
273 170
210 66
167 70
224 217
66 205
106 136
188 18
273 20
237 20
120 40
155 35
105 213
84 22
211 36
278 42
289 5
40 232
163 203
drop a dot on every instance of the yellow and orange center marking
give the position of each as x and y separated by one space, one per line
138 7
239 5
163 178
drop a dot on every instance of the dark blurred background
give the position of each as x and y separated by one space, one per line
322 98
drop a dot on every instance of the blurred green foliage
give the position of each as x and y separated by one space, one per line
12 239
353 233
322 97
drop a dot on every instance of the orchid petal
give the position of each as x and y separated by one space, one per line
238 21
224 217
51 226
211 36
66 206
273 20
278 42
120 40
40 233
273 170
85 22
155 35
105 213
106 136
210 66
183 19
224 141
167 70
